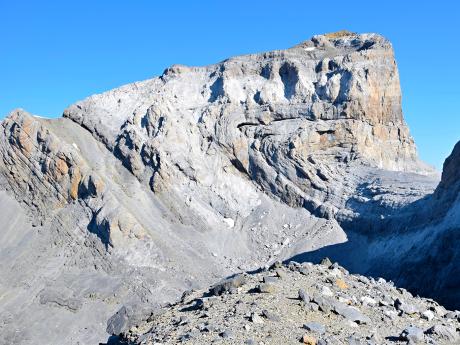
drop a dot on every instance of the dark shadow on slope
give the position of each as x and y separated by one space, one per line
388 240
100 230
435 274
217 90
351 254
115 340
376 217
289 75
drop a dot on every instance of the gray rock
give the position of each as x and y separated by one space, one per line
276 265
412 334
303 296
119 322
335 265
444 333
327 304
353 341
326 262
255 318
210 328
227 334
201 303
280 273
232 312
312 307
266 288
405 307
324 304
315 327
294 266
351 313
138 188
270 315
268 279
60 299
227 285
188 336
427 315
304 270
453 315
131 315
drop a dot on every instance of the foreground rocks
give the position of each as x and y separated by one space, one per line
301 308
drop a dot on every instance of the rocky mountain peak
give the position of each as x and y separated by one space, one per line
142 192
450 171
284 119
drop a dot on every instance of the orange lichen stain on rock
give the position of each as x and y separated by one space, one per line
341 284
380 132
25 136
240 151
327 140
374 102
339 34
309 340
61 167
99 186
74 184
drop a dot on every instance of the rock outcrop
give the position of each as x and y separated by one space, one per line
160 186
307 304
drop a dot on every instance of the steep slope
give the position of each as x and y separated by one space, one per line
172 183
415 243
434 250
95 237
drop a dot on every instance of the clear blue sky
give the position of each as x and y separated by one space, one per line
53 53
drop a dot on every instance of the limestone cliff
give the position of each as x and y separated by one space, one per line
291 121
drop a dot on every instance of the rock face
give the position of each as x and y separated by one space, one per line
160 186
291 121
449 187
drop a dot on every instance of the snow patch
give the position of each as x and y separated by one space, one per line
230 222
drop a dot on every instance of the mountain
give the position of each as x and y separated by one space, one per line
140 193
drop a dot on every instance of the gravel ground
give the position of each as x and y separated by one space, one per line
296 303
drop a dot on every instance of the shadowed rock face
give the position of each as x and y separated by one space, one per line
449 187
437 255
416 245
171 183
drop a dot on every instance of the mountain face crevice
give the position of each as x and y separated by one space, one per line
174 182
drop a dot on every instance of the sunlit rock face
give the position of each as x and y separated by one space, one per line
290 120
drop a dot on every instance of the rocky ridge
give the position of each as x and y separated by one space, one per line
291 304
